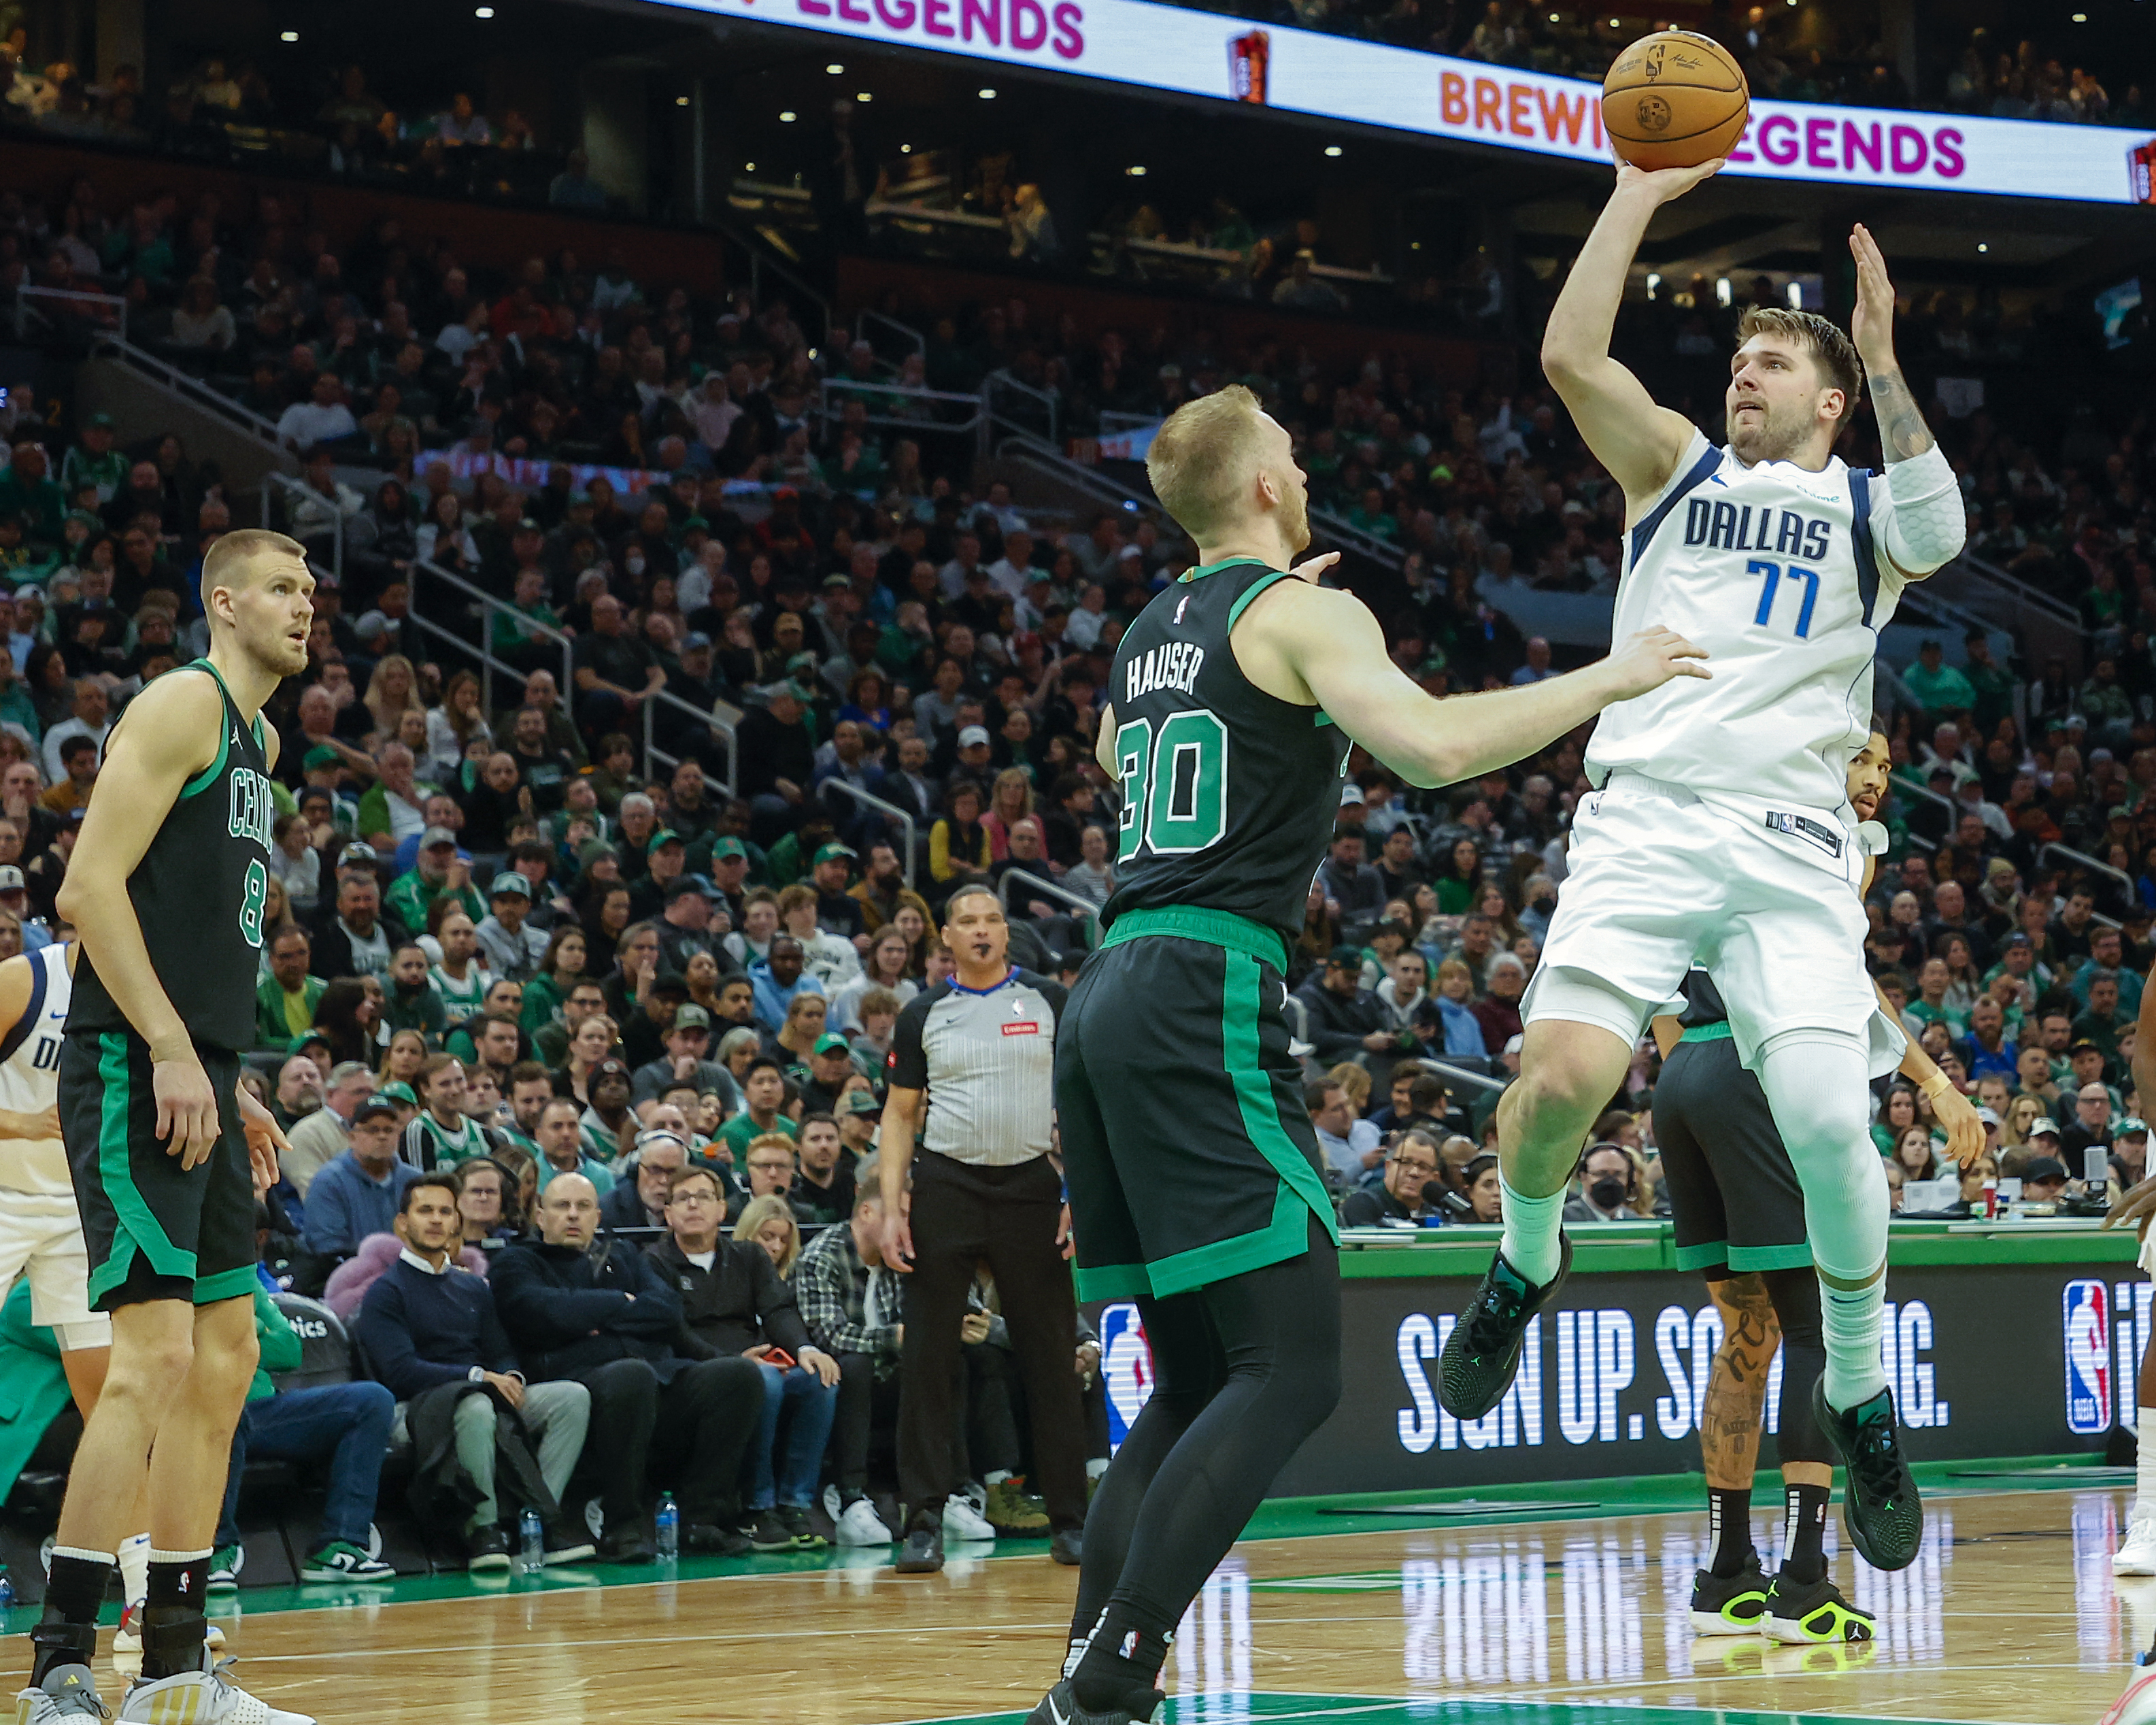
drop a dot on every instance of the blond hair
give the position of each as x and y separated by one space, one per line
1354 1079
768 1207
1823 338
231 560
1204 457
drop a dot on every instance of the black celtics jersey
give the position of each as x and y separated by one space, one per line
1702 1001
1230 793
198 893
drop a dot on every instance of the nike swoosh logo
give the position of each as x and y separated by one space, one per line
1056 1713
1716 479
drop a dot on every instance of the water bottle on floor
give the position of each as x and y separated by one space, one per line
532 1543
670 1528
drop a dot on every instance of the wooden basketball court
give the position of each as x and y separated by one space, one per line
2011 1614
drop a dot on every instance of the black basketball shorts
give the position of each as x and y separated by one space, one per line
1733 1192
155 1230
1187 1151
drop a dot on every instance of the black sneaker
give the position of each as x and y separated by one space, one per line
922 1553
1483 1351
487 1547
567 1542
794 1519
1059 1706
1814 1612
626 1545
1729 1604
708 1539
1067 1547
1880 1504
767 1533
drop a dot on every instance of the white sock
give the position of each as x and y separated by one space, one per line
1851 1320
1530 1245
2144 1466
135 1569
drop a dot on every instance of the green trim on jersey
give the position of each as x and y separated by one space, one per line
139 1228
1253 590
238 1283
1199 574
1219 928
1716 1031
203 780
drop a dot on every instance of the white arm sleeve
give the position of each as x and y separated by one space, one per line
1918 517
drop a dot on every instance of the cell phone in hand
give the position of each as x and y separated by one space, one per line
780 1357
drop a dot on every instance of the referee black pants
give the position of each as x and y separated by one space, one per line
1005 1219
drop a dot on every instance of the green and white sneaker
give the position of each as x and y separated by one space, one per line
225 1563
1729 1605
340 1560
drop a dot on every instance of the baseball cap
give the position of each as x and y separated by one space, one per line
2080 1042
2131 1128
100 421
835 849
690 1016
399 1091
74 816
1988 1116
1346 955
859 1101
831 1042
660 1135
973 735
319 756
11 878
2043 1168
2042 1125
665 836
608 1069
510 882
681 885
835 579
2018 938
694 639
357 854
379 1103
1350 793
437 835
727 849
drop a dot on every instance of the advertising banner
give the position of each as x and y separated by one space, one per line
1202 54
2015 1360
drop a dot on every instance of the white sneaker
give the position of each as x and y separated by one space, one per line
962 1521
2136 1552
207 1696
859 1524
127 1639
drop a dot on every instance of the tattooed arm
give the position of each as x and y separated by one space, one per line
1919 520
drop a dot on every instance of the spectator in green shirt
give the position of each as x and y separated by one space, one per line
763 1090
412 1002
27 490
286 999
524 647
439 871
1937 686
1993 686
94 461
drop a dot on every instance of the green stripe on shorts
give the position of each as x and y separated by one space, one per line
1771 1257
136 1227
1301 1193
1114 1281
239 1283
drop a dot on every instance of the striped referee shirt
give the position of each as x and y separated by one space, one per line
987 1058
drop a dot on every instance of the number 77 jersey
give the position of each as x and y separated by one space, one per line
1772 570
1229 793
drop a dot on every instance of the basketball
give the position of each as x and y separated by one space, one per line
1674 100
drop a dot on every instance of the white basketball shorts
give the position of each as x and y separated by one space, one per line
1659 880
41 1235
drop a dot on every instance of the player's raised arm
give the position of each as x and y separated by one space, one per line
158 746
1920 522
1305 642
1639 441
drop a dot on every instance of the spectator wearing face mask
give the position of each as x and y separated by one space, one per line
1608 1182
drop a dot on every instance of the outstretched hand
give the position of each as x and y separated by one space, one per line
1649 659
1663 184
1872 322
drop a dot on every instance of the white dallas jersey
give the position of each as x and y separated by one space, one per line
30 1076
1771 570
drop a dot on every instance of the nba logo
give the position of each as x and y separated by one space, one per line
1126 1368
2084 1326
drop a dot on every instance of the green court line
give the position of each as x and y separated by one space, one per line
1279 1518
1279 1708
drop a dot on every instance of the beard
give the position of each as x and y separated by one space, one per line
1775 435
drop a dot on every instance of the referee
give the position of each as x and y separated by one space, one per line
981 1047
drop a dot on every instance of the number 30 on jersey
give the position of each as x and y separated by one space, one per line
1175 784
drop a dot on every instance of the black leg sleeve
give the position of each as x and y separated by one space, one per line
1796 1297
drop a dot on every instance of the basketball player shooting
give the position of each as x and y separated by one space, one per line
1721 830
